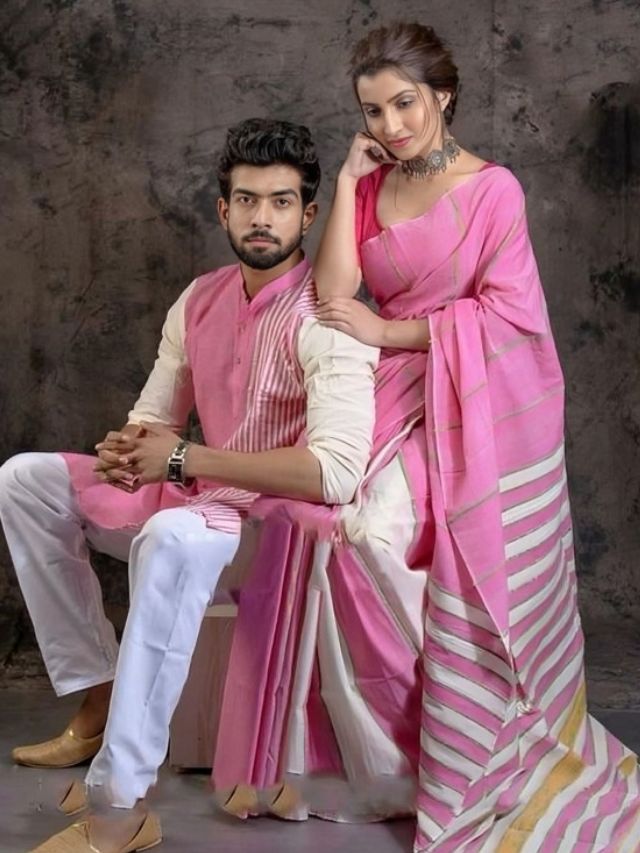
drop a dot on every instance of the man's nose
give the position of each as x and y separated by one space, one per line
262 213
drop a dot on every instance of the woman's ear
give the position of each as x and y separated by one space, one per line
444 99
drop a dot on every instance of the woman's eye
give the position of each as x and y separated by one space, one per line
404 104
372 113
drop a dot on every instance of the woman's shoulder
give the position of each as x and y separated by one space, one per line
498 199
500 182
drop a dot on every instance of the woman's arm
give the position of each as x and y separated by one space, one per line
407 334
356 319
337 266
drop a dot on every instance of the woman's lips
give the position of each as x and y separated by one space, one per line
399 143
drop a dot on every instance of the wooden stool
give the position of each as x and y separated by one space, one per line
194 727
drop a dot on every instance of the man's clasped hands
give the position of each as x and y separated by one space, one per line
135 455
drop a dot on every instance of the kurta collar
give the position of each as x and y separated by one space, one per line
277 286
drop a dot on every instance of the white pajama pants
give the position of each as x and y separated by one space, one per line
174 565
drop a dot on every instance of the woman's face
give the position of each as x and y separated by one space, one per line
404 117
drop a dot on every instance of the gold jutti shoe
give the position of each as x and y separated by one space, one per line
66 750
76 839
241 802
286 803
74 800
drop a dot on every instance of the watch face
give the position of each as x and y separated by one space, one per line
174 472
175 463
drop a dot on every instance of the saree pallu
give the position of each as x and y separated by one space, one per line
420 650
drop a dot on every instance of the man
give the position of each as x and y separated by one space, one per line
243 344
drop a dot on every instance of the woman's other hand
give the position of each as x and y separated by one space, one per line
364 157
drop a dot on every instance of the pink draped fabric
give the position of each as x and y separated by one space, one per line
426 654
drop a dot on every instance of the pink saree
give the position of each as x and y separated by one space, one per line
420 651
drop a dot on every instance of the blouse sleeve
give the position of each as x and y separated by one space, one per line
360 205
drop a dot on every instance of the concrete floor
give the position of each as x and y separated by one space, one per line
190 822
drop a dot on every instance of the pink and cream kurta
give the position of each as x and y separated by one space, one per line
420 650
262 373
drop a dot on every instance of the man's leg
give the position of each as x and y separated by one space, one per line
46 535
175 563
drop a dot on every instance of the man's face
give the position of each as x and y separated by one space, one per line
265 219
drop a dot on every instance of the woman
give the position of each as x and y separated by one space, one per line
431 634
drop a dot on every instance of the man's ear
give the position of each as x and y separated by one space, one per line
309 215
223 212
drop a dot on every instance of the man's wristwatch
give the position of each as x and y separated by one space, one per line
175 462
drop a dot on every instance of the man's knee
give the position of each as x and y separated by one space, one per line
164 548
23 471
169 528
182 537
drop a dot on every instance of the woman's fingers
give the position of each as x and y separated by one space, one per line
333 306
340 325
371 145
334 317
361 160
342 306
335 300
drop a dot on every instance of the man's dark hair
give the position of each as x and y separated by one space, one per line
265 142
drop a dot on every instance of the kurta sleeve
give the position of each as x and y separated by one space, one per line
339 383
167 396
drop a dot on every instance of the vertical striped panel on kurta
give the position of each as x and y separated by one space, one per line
272 401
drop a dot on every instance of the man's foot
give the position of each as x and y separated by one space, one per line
92 714
78 838
80 741
66 750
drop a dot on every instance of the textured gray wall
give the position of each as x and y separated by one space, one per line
112 113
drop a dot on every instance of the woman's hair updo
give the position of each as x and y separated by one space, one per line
415 51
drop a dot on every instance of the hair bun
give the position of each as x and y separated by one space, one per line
415 50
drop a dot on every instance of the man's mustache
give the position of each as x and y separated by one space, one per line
262 235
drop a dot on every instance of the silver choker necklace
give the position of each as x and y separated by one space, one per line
435 161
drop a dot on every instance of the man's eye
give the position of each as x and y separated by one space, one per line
283 202
245 199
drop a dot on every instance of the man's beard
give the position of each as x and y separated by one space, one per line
261 258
